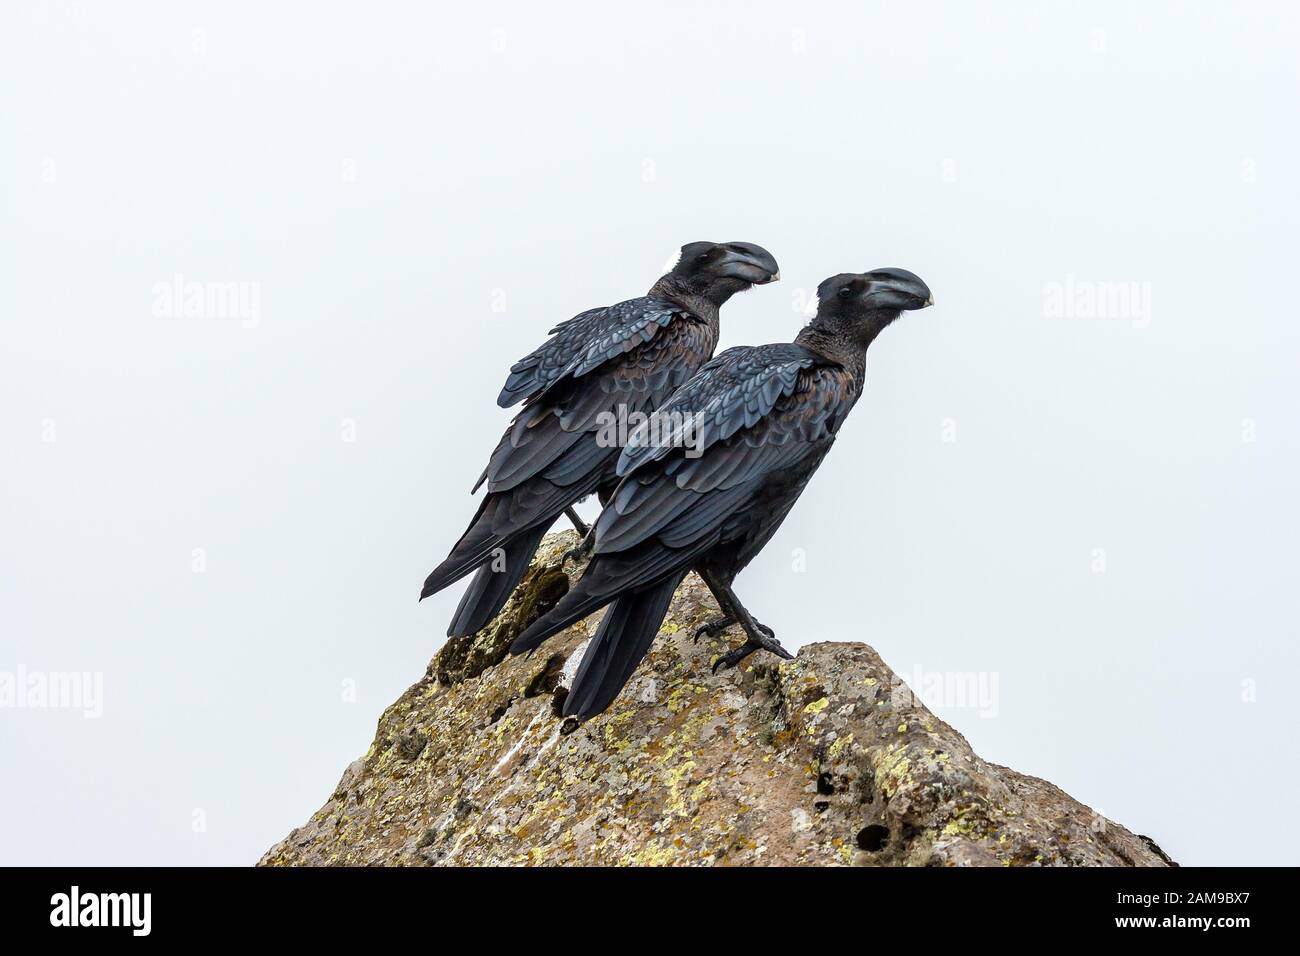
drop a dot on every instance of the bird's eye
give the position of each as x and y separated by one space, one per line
845 292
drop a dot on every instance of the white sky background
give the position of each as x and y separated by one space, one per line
379 171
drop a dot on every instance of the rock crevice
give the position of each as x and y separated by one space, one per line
824 760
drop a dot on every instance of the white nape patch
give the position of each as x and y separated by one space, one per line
671 264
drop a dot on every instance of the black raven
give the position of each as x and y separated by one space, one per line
764 417
602 367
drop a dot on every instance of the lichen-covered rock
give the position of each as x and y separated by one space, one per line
823 760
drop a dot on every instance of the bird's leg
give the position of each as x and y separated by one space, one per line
731 607
728 618
578 523
761 637
721 593
582 550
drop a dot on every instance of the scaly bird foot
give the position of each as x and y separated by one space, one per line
713 628
581 551
766 641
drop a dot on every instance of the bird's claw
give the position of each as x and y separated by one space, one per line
767 642
713 628
578 553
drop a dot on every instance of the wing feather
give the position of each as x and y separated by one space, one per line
558 432
765 410
584 343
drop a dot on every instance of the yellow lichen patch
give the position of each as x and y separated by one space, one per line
677 699
958 827
837 749
817 706
676 777
536 855
891 770
655 854
612 740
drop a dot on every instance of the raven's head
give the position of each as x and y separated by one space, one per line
718 270
881 290
863 303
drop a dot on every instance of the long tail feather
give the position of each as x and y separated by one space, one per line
573 607
622 640
495 581
474 547
501 519
607 577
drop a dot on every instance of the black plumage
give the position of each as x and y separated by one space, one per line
604 365
709 495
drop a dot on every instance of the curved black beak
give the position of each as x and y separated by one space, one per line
896 289
749 263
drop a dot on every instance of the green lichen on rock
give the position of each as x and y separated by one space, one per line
824 760
464 658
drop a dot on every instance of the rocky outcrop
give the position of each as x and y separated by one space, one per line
824 760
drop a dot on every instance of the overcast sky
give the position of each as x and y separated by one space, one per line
1074 478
